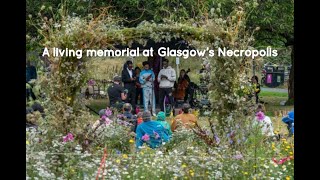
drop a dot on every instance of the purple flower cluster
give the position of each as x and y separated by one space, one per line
260 116
68 137
91 82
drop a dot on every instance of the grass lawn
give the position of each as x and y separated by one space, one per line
274 110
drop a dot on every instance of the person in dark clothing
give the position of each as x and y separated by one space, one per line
127 109
129 81
138 86
31 73
256 87
116 93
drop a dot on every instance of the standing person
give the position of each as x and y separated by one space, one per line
180 92
256 87
146 79
129 81
31 73
166 79
138 86
116 93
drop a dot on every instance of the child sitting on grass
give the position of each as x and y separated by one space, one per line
264 121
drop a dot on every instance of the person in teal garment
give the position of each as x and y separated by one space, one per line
161 118
150 132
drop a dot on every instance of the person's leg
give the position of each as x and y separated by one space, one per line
145 98
169 94
161 98
137 95
154 105
141 96
133 99
186 94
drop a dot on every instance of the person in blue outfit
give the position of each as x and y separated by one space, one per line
289 120
150 132
146 80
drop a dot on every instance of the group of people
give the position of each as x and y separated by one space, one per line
152 132
139 87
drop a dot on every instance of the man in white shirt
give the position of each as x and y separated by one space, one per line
166 79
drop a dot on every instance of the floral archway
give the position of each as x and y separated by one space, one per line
229 81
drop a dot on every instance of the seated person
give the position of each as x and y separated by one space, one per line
289 120
102 112
182 85
139 118
129 117
150 132
264 121
116 93
186 119
161 118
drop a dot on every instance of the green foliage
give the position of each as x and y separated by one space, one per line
275 19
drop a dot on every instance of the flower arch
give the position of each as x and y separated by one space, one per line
68 74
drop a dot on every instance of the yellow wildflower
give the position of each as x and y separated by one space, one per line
184 165
27 142
288 147
131 141
245 173
291 153
287 178
118 161
125 156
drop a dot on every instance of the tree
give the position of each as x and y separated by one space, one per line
275 19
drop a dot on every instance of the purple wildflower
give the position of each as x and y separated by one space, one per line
156 135
260 116
238 156
145 137
68 137
91 82
107 121
217 139
108 112
120 116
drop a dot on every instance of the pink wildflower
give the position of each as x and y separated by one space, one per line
108 112
146 137
260 116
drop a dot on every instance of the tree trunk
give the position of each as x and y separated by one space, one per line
291 78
